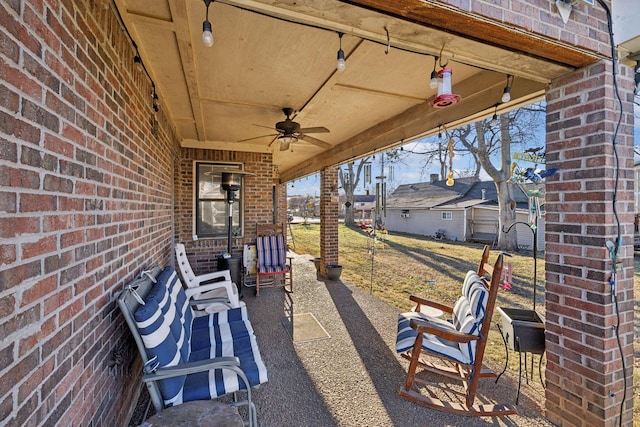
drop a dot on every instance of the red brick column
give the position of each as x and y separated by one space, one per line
328 217
584 377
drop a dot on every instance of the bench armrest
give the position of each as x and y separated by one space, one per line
423 301
192 367
441 332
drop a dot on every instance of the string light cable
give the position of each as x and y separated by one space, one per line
613 247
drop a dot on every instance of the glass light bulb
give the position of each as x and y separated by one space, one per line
207 38
506 94
341 64
207 35
433 83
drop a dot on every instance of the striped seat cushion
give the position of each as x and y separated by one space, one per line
406 337
468 314
272 254
212 384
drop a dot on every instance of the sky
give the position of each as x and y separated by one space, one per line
407 171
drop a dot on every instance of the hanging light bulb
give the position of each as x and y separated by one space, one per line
506 93
494 118
340 65
207 34
433 82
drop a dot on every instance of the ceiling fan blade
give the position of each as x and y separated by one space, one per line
266 127
315 141
257 137
319 129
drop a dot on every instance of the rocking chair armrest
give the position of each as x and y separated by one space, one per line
448 334
423 301
192 367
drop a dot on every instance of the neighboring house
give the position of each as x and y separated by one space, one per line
466 211
364 206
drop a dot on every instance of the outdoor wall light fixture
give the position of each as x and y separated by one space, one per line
207 34
445 98
340 65
506 93
433 82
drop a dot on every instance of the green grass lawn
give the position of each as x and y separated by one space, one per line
398 265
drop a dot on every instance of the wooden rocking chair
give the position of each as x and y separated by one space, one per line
460 343
271 252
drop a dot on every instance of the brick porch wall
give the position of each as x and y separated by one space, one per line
329 217
583 361
258 204
85 206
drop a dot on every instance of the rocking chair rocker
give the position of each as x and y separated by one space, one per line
460 343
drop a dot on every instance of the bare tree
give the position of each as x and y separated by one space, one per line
349 179
484 140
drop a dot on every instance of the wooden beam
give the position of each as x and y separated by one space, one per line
473 26
418 120
179 14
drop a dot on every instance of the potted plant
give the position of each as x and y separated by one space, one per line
334 271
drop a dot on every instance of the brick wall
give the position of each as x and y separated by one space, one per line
583 375
586 27
85 205
258 204
329 215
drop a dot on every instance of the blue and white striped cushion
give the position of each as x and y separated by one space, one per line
470 278
478 297
272 254
407 336
154 321
181 326
170 332
230 322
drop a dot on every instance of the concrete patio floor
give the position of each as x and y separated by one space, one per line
353 377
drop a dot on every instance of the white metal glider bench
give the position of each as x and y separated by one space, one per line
185 357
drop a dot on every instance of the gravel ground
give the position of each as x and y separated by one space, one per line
353 377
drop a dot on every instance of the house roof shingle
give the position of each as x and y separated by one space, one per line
465 192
